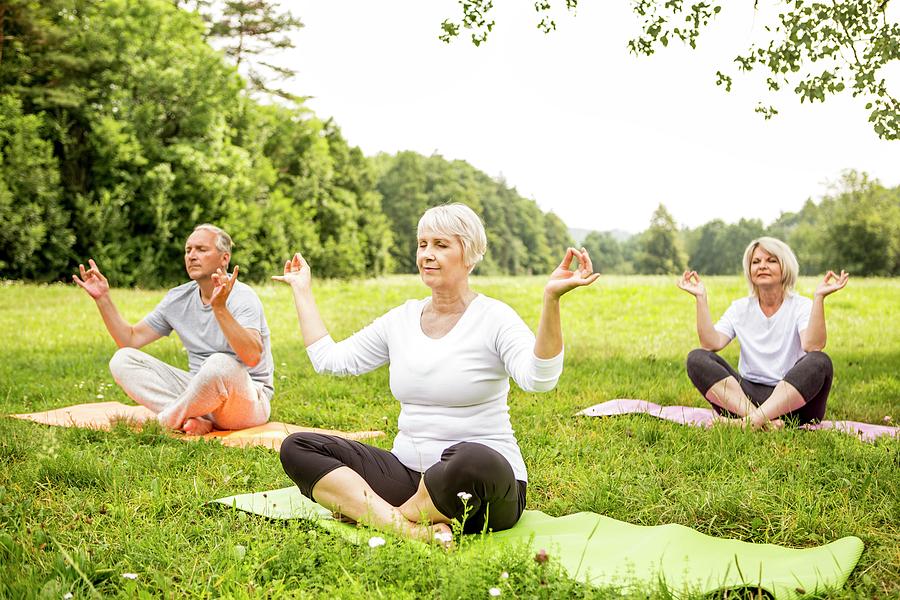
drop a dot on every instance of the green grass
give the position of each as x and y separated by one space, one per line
80 508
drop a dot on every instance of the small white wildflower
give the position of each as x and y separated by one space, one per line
376 541
131 576
464 496
99 395
68 596
284 377
283 364
494 592
504 575
444 537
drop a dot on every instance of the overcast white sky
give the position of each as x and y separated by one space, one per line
574 121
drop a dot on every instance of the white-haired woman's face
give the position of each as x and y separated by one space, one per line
765 270
439 258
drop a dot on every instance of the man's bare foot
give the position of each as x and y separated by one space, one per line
197 426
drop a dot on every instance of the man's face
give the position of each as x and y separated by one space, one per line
201 257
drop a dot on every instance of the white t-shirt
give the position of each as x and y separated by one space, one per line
451 389
770 346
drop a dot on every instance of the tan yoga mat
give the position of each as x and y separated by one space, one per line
103 415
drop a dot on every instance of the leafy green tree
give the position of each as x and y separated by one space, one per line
403 188
661 251
35 239
862 232
803 232
250 31
557 234
716 248
519 237
816 47
606 252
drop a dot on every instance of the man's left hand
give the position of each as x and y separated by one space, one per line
223 283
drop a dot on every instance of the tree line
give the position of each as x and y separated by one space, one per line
122 126
856 227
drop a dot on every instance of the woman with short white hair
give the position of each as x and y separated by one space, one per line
782 372
451 356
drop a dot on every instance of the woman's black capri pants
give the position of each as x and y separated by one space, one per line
497 497
811 375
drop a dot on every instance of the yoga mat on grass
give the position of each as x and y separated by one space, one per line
701 417
103 415
606 552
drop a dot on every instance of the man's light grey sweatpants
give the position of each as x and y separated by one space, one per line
222 391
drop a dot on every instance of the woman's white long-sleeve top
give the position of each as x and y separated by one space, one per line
451 389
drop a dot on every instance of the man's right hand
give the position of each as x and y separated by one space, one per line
92 281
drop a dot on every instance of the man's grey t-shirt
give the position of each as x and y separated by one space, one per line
194 322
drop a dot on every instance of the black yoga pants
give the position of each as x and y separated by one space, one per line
811 375
497 497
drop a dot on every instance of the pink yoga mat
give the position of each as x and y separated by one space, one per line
699 417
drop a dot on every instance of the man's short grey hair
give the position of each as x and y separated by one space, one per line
790 269
459 220
223 240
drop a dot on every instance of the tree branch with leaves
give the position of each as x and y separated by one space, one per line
819 48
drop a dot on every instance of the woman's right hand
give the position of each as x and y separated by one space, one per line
297 273
690 282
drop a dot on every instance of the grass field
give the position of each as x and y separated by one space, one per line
78 508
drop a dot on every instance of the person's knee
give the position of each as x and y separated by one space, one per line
220 367
294 446
221 363
473 462
697 360
821 362
122 361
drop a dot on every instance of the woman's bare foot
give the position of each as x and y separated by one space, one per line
437 533
197 426
773 425
730 421
343 518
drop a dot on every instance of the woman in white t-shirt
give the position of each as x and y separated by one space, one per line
451 356
782 372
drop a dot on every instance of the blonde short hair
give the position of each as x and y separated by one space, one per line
790 269
223 240
459 220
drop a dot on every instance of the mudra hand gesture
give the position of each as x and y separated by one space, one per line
690 282
297 273
223 283
92 280
564 279
832 283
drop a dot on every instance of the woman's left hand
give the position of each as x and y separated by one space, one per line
564 279
829 287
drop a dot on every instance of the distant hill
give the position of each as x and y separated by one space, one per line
579 234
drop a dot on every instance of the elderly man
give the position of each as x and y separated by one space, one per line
221 323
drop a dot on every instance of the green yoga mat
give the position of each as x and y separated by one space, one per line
606 552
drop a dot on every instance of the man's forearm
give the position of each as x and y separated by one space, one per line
121 331
245 344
